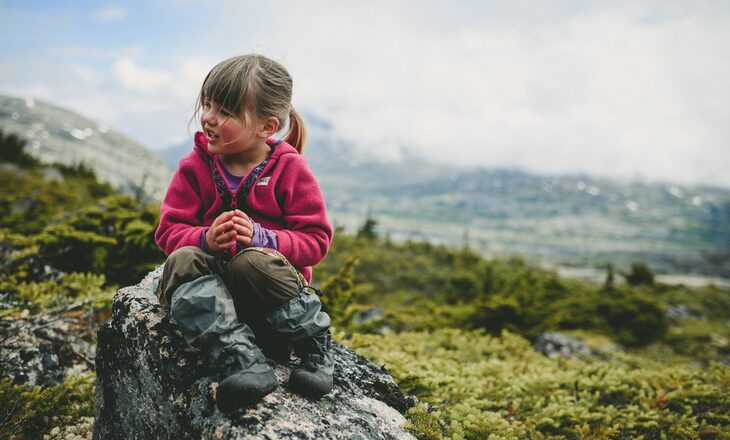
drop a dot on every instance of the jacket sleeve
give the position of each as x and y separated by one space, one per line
307 234
179 223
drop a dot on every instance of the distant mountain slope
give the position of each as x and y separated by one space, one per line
573 220
57 135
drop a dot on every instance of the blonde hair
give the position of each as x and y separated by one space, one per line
255 84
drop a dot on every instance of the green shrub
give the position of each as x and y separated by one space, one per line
640 275
71 288
28 413
634 319
424 424
113 236
338 291
12 150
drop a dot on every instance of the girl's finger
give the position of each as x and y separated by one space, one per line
226 245
243 221
226 236
243 229
223 218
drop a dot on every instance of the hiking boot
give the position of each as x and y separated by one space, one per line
245 386
302 323
315 376
205 313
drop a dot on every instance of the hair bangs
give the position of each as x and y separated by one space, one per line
228 85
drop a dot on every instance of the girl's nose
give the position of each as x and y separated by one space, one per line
209 117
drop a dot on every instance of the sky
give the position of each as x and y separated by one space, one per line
635 89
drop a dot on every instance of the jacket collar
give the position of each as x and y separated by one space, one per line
282 148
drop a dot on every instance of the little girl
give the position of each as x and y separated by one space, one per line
243 222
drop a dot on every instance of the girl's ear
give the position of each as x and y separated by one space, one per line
269 126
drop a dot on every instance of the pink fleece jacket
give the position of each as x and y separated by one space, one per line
286 199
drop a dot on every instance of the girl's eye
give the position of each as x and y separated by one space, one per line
225 112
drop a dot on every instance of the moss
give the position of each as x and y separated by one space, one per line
500 387
424 424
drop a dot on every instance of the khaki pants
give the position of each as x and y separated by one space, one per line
259 279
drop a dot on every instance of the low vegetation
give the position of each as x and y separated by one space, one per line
497 387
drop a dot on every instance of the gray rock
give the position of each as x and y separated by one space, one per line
681 312
554 344
38 349
150 384
33 365
369 315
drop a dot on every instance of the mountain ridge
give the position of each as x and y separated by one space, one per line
54 134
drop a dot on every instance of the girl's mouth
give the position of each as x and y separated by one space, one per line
211 135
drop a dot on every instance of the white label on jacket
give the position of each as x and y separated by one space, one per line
263 181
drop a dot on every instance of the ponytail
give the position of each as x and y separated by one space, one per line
297 134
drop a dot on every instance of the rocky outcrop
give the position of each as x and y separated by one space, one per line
150 384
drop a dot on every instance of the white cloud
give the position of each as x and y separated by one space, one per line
604 92
109 13
610 90
86 74
134 77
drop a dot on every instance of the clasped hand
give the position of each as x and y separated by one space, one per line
227 229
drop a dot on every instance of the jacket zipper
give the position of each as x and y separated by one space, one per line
234 195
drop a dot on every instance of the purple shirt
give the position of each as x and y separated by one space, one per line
261 237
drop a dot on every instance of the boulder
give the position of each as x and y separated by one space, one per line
150 384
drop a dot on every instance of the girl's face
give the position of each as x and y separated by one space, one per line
226 131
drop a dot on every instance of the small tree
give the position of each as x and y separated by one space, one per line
12 150
640 275
338 291
367 231
610 276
